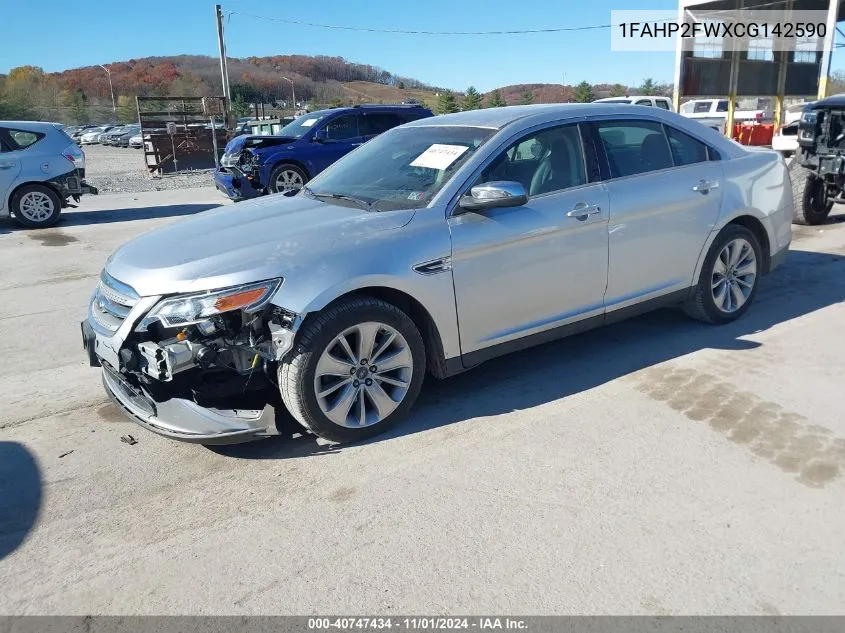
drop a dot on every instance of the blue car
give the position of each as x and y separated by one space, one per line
253 166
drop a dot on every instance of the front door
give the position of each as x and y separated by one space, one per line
524 270
342 136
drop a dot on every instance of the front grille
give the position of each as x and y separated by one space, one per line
110 305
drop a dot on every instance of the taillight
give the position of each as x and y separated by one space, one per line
75 156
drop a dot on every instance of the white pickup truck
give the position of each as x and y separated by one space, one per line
714 112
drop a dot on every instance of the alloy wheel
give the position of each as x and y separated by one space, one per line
288 181
363 375
36 206
734 275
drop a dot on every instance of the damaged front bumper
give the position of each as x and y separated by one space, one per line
209 411
185 420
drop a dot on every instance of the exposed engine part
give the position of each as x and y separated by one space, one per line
162 361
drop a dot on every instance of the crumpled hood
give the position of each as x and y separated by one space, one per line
264 238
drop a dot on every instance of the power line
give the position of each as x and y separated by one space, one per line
419 32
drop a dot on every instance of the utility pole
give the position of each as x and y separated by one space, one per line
113 107
224 67
293 94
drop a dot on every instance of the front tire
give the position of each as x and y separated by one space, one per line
811 205
36 206
355 371
729 277
287 179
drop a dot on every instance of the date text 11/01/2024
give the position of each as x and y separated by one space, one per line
416 623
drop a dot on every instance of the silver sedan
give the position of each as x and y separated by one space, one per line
438 245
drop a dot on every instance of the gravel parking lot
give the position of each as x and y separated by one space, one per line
658 466
121 170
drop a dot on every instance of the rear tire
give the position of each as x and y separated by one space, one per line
811 208
729 277
36 206
355 371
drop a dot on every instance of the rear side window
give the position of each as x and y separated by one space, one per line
646 102
685 149
21 139
662 103
376 123
722 106
634 147
703 106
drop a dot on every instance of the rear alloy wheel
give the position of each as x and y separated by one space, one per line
729 277
36 206
356 370
287 179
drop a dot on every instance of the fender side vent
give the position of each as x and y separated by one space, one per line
434 266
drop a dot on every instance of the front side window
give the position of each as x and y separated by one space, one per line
685 149
343 128
403 168
722 106
634 147
663 103
645 102
544 162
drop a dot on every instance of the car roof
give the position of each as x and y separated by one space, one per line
31 126
497 118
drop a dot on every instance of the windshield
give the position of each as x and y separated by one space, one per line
301 125
400 169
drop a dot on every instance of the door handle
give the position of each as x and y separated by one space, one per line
704 186
582 211
6 165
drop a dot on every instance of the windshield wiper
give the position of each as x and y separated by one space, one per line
340 196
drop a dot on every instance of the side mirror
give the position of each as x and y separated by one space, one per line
494 195
320 136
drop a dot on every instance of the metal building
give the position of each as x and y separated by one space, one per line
712 72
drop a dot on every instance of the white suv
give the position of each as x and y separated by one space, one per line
40 168
644 100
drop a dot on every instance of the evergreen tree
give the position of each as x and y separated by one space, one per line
446 103
583 93
526 98
649 87
78 111
495 100
472 100
618 90
240 108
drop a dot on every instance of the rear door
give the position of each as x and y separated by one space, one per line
10 165
374 123
665 196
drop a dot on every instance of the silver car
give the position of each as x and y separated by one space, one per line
41 168
440 244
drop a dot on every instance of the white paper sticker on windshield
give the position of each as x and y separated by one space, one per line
309 122
439 156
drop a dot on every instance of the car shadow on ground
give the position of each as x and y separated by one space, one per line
21 491
806 282
75 217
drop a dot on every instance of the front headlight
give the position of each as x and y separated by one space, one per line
189 309
809 117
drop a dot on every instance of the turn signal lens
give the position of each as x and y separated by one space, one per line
239 299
